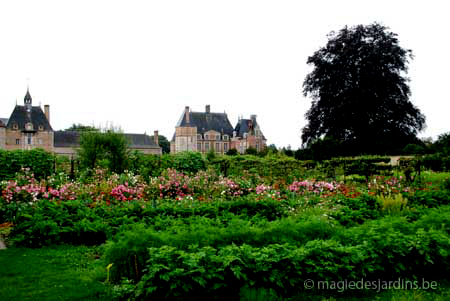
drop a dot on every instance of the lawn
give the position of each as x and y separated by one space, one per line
51 273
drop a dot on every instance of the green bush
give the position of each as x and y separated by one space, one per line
429 198
355 211
48 222
128 250
104 149
38 161
189 162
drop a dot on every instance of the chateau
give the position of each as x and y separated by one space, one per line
205 131
29 127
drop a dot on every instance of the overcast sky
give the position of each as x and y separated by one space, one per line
137 64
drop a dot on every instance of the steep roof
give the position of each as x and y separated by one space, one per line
141 141
66 139
21 116
208 121
3 122
246 126
72 139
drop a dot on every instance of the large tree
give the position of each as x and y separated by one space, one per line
360 91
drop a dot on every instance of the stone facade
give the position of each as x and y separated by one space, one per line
205 131
247 134
29 127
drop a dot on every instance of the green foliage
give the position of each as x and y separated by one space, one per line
128 252
82 128
109 148
429 199
364 166
272 168
189 162
358 88
443 144
437 162
51 223
232 152
354 211
52 273
251 151
392 204
38 161
211 155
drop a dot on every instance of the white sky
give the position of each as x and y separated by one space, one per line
137 64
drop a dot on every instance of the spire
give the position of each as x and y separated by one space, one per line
27 99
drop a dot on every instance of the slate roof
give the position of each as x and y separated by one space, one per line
208 121
246 126
141 141
3 121
66 139
72 139
36 116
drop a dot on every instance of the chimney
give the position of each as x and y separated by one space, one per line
47 112
156 138
186 113
253 118
208 109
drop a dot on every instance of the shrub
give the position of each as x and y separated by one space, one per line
429 198
356 210
38 161
393 203
189 162
109 148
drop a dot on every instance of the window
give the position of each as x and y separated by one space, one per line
225 147
29 126
218 147
199 147
17 141
225 137
199 136
206 137
217 137
29 138
245 135
257 147
40 141
206 146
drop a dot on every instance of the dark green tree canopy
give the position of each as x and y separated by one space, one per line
109 148
360 90
82 128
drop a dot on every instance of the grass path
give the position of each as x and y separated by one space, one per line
51 273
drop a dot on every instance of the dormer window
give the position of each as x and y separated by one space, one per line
199 136
29 126
206 137
41 127
217 137
15 126
225 137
